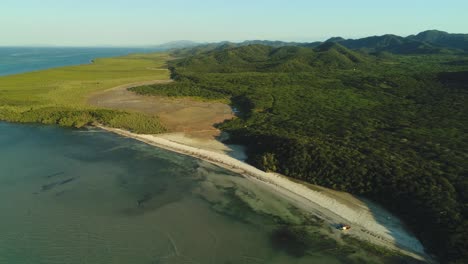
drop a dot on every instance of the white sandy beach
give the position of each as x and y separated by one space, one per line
369 222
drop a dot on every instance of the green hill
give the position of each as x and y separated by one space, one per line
336 55
390 43
263 58
375 42
427 42
443 39
391 128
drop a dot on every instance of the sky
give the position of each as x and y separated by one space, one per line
150 22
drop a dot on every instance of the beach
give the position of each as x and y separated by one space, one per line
192 133
369 222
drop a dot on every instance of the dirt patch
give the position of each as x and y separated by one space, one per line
193 118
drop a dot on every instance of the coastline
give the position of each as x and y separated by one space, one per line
332 206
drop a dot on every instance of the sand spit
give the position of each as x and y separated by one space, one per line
369 222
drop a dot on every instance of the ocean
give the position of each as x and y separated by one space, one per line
15 60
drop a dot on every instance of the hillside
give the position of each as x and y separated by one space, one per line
427 42
179 44
261 58
390 43
443 39
391 129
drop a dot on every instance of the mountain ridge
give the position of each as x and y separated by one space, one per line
426 42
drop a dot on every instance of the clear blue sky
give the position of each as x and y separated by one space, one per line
145 22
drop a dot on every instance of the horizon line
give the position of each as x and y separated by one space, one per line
155 46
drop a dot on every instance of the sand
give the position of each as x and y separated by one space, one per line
369 222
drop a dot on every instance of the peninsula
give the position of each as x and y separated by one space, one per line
381 121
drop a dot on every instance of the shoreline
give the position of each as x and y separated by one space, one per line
332 206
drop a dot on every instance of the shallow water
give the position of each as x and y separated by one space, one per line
87 196
23 59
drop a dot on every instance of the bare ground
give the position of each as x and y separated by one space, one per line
184 115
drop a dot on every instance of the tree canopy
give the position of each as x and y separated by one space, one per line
385 126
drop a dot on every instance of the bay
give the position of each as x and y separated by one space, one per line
14 60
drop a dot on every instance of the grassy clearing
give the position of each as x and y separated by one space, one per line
59 95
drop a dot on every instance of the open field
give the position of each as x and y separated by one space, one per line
76 95
69 86
194 118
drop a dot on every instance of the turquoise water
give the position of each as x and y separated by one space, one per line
87 196
23 59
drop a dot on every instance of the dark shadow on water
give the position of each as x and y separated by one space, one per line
54 174
290 241
300 241
49 186
236 208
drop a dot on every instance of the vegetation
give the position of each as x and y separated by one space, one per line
427 42
58 96
397 44
443 39
389 127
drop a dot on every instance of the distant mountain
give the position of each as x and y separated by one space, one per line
427 42
389 43
226 44
269 43
335 39
374 42
179 44
443 39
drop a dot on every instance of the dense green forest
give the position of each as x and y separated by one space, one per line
388 127
77 118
